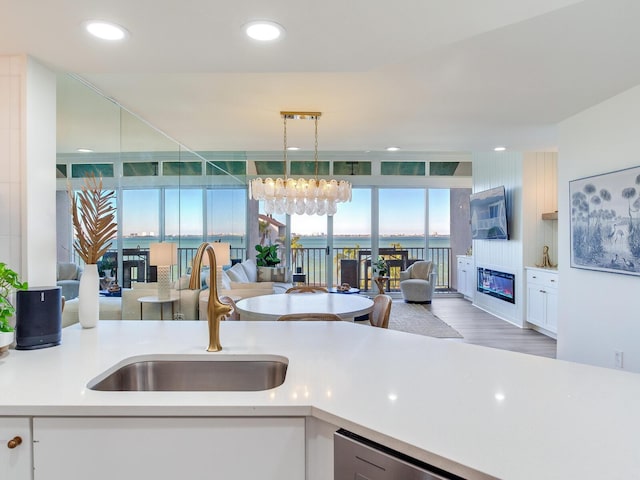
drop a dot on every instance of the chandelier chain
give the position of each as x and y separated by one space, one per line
315 146
285 147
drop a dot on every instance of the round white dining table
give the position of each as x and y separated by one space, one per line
271 307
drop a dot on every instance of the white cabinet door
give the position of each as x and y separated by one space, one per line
552 311
542 299
466 278
15 449
462 277
536 305
169 448
471 278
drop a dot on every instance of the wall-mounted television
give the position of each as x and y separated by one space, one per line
488 211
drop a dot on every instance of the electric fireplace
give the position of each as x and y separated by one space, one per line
497 284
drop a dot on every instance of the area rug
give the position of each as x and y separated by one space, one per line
415 318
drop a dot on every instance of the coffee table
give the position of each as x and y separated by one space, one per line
351 290
271 307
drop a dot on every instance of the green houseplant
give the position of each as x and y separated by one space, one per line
267 256
380 267
9 283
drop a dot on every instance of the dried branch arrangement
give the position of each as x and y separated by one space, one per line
93 218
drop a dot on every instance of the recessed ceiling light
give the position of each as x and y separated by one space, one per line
84 150
264 30
293 148
393 149
105 30
500 149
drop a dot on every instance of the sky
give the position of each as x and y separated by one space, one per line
401 212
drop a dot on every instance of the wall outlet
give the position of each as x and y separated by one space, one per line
618 358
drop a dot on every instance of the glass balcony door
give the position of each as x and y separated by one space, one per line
309 248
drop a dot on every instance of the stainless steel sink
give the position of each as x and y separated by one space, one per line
194 374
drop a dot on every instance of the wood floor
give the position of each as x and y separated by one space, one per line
482 328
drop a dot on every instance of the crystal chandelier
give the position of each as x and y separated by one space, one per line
298 195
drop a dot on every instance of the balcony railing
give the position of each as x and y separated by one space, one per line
353 265
350 265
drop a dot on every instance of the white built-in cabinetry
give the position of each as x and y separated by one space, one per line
542 299
466 276
15 448
169 448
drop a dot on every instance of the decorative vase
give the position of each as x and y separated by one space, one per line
6 339
88 297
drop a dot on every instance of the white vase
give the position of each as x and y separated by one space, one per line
6 339
88 297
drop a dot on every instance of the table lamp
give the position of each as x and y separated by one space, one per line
163 255
222 251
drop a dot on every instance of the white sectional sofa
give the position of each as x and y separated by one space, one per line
127 307
244 280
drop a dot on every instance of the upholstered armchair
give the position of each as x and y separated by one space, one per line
418 282
68 278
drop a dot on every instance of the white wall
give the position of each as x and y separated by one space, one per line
540 195
27 166
11 132
598 312
493 170
39 179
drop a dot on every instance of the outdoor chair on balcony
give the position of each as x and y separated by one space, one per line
418 282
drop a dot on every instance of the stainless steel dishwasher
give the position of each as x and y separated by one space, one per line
356 458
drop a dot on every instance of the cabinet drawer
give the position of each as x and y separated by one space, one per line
546 279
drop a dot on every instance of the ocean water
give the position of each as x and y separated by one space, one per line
237 241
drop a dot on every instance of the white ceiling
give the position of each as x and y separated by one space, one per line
425 75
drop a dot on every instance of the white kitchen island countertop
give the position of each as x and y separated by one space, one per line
503 414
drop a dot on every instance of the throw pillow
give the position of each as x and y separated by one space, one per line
226 281
182 283
251 269
237 273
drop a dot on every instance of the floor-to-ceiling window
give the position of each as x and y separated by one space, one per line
351 234
225 218
140 217
401 228
440 231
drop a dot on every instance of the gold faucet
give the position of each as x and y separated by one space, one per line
216 310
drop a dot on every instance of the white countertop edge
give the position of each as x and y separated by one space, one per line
155 411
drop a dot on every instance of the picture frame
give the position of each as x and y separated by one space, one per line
604 213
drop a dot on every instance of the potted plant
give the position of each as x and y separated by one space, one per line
93 218
380 272
9 283
267 255
267 261
380 267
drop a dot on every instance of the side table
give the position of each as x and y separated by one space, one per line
153 299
